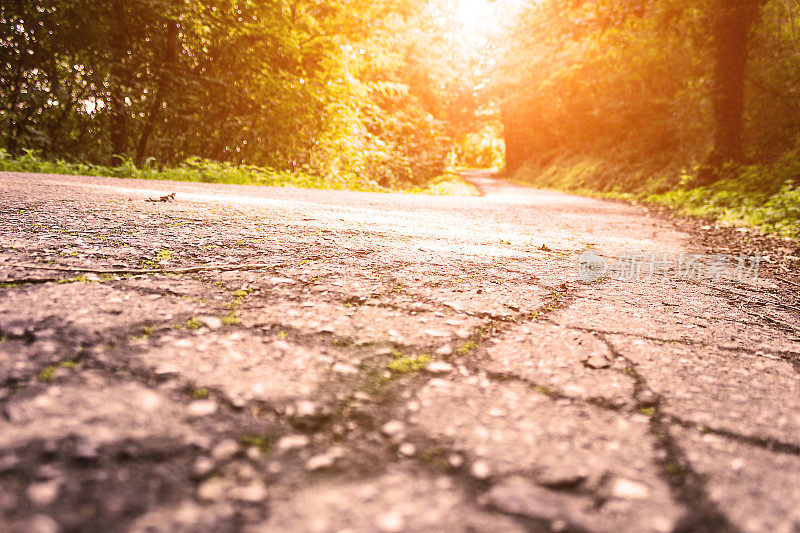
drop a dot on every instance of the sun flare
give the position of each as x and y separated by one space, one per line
475 16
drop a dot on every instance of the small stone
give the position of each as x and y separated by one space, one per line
246 472
463 333
407 449
455 460
439 367
254 453
626 489
202 466
345 369
597 362
200 408
225 450
211 322
362 396
392 522
392 428
292 442
319 462
8 462
737 464
86 451
43 494
304 408
212 490
255 492
572 389
447 349
481 470
236 401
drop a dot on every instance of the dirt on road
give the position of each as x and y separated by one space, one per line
262 359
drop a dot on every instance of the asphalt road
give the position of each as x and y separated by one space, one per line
262 359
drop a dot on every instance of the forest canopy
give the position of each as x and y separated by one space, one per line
393 91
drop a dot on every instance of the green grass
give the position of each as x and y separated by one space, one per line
764 196
196 169
200 394
409 365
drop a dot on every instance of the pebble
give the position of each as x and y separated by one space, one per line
254 453
225 450
345 369
392 522
43 493
245 472
255 492
8 462
481 470
597 362
305 408
629 490
211 322
407 449
291 442
439 367
200 408
212 490
236 401
392 428
455 460
86 451
318 462
202 466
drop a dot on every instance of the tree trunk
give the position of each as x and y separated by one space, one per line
730 35
162 86
116 95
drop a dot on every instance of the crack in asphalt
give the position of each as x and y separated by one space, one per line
688 487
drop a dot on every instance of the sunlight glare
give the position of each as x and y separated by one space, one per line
470 24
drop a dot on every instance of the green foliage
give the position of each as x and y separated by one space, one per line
200 394
47 374
306 93
193 169
617 99
766 196
484 149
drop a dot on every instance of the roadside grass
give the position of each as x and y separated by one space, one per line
762 196
199 170
766 197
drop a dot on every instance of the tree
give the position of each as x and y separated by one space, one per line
732 23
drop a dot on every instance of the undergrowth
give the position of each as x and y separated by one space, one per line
205 171
764 196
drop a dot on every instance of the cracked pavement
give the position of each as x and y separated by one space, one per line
378 362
